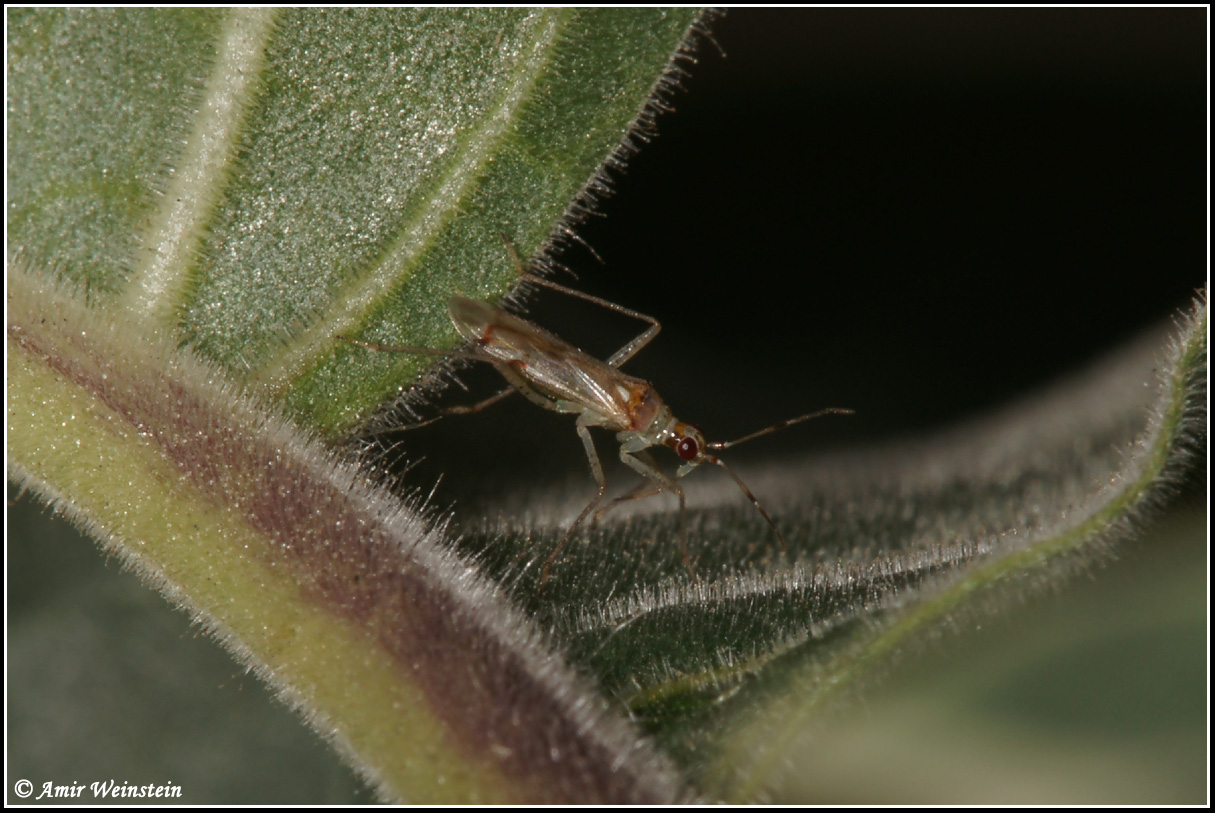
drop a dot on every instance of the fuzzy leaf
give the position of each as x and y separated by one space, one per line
887 548
304 174
265 180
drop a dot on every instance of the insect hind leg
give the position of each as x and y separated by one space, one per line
467 409
630 349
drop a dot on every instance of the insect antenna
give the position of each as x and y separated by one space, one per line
776 427
751 497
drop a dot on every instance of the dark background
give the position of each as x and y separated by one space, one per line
919 214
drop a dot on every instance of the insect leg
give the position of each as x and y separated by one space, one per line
428 351
467 409
633 347
597 472
623 354
642 491
647 488
643 463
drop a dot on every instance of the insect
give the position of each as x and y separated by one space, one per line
555 375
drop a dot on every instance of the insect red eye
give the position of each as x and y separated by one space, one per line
687 449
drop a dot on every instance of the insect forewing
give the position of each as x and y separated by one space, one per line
552 367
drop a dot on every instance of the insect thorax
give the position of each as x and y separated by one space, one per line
647 413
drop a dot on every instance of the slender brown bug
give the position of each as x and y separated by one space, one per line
554 374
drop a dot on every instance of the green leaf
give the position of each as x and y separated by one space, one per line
299 174
887 550
246 198
308 173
